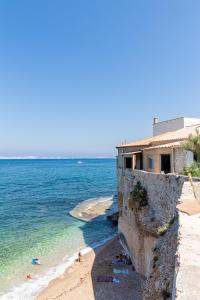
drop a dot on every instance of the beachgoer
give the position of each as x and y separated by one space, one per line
28 276
80 257
36 261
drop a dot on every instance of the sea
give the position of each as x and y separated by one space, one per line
36 196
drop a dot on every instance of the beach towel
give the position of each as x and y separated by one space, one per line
123 271
105 278
119 262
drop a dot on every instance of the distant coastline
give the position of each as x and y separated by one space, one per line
52 157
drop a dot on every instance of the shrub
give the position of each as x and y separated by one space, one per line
161 230
193 144
194 170
139 195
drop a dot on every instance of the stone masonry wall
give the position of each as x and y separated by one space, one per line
163 192
187 272
150 231
182 158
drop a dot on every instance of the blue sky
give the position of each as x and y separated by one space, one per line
78 76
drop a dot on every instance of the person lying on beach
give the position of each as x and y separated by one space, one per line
28 276
119 262
121 256
122 260
105 278
35 261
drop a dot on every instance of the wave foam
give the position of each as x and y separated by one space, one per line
30 290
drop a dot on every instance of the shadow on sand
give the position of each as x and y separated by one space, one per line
129 285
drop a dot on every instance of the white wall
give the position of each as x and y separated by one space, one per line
169 125
175 124
191 121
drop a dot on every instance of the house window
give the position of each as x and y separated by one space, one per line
128 162
151 163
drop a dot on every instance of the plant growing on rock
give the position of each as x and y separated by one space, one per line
161 230
139 195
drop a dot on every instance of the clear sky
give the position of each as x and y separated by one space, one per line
78 76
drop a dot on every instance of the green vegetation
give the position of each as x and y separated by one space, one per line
193 144
194 170
139 195
163 229
173 220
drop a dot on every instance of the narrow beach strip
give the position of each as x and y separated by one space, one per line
79 280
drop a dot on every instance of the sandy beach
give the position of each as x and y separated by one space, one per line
79 281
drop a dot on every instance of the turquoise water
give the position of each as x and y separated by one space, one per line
35 198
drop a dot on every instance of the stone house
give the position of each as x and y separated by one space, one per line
163 152
148 201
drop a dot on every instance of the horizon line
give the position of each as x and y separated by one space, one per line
52 157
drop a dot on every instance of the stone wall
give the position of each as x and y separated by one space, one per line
182 158
155 154
150 231
163 192
187 272
179 158
159 285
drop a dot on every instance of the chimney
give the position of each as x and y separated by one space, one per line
155 120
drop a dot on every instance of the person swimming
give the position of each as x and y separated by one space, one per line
35 261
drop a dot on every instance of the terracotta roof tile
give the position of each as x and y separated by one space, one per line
177 135
168 145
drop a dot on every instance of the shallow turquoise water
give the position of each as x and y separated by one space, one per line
35 198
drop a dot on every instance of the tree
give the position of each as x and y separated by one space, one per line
193 144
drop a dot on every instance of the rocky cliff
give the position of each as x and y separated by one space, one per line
149 224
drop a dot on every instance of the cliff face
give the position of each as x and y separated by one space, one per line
159 284
148 225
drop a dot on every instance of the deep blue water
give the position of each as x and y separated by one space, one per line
35 198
